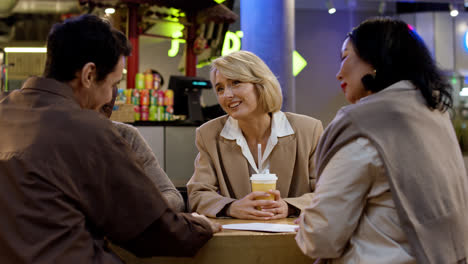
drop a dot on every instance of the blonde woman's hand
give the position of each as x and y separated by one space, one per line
246 208
280 209
215 227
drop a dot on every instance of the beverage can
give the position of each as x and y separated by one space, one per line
169 97
160 113
139 81
144 113
169 113
135 97
153 97
128 96
156 81
160 97
149 84
152 113
136 109
121 96
144 97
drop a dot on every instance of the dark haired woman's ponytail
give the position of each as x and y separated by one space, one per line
376 82
369 82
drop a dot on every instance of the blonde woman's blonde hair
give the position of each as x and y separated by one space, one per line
244 66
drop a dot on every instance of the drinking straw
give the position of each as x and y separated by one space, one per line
259 158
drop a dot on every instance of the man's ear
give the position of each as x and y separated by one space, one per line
88 74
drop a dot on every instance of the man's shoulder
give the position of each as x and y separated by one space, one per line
77 125
82 118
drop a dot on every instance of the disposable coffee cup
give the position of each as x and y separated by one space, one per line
263 182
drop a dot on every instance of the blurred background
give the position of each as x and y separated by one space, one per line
180 38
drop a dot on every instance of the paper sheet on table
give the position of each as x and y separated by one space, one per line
280 228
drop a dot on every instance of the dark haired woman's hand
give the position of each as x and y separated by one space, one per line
246 208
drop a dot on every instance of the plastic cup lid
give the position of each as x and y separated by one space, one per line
264 177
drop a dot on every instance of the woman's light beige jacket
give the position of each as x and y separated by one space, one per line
222 173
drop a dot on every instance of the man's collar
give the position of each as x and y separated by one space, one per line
51 86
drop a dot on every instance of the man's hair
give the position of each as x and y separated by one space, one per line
244 66
398 53
80 40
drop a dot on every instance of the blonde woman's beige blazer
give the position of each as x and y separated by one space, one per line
222 174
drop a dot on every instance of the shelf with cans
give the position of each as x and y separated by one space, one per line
150 102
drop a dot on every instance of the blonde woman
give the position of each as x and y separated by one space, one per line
251 96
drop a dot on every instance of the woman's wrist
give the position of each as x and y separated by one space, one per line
226 210
293 211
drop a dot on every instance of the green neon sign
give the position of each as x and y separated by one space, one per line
174 48
175 43
299 63
232 42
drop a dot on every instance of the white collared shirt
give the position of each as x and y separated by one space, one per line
280 127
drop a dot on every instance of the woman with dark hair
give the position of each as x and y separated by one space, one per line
392 186
147 158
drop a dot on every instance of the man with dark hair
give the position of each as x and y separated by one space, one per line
68 180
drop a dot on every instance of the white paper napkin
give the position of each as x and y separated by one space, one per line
277 228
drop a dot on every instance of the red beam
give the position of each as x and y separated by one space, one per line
132 67
191 58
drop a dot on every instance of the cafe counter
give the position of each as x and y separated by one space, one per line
236 247
173 143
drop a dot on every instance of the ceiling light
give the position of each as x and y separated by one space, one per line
453 10
330 6
109 10
25 50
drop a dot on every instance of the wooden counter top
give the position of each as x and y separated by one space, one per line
236 247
